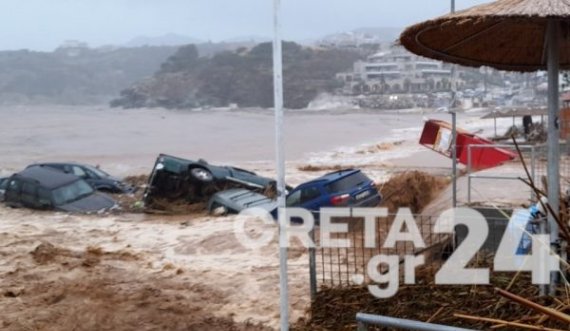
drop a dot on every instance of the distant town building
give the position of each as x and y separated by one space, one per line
349 40
399 71
72 48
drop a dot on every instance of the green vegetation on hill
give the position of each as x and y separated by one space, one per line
242 77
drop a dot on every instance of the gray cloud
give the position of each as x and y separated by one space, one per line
44 24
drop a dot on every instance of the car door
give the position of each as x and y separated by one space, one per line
44 198
83 174
78 171
294 198
310 198
94 180
29 195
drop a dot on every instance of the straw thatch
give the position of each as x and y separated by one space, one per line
506 35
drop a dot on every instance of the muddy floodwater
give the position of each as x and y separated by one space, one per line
189 272
126 141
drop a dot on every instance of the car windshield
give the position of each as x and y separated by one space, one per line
347 183
99 172
3 183
71 192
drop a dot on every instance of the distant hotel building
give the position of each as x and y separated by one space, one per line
399 71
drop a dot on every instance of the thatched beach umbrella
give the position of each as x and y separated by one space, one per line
513 35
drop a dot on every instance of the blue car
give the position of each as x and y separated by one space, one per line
343 188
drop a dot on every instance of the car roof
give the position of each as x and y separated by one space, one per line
332 176
47 177
176 164
56 163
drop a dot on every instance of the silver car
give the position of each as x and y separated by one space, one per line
234 201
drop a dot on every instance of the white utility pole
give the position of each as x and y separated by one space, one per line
280 162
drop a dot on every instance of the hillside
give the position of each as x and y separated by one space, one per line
74 76
82 75
242 77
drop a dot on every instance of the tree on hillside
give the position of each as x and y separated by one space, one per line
183 60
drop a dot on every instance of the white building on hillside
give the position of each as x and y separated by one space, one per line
399 71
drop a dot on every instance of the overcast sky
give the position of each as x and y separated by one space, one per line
44 24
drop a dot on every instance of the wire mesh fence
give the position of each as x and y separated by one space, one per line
509 174
347 266
541 164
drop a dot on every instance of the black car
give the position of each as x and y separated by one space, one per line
177 178
96 177
49 189
3 184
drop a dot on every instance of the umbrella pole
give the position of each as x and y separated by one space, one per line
553 32
453 128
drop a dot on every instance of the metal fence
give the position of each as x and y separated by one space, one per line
343 267
541 165
513 174
535 157
346 267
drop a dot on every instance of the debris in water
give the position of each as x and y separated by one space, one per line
413 189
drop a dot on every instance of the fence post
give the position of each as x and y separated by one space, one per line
533 196
313 267
469 174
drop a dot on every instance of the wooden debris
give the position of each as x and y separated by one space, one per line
496 321
545 310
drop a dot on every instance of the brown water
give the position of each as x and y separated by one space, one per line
127 141
196 257
184 251
239 283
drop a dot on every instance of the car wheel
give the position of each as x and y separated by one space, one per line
218 210
201 174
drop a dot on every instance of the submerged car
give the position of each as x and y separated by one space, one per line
176 178
96 177
48 189
3 184
343 188
235 200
